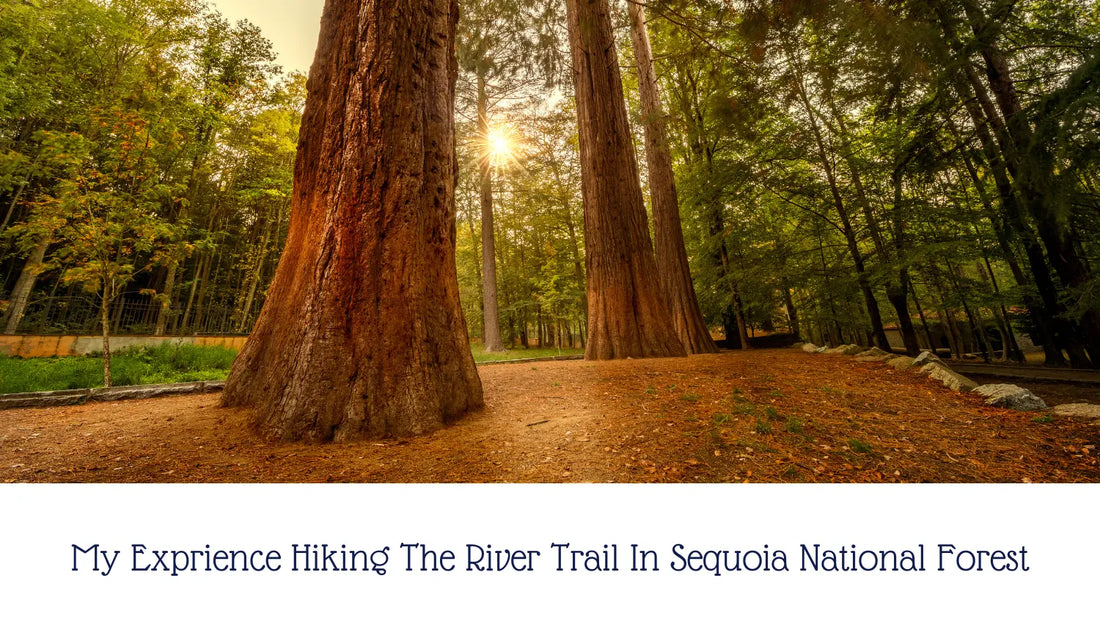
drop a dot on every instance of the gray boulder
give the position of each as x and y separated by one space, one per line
901 363
839 350
925 358
823 349
951 379
809 348
1080 409
852 349
929 368
43 399
1011 397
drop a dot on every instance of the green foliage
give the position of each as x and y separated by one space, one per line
138 138
860 446
144 366
480 356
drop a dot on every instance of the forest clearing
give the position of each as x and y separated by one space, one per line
743 416
634 179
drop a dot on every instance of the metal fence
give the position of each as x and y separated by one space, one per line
131 314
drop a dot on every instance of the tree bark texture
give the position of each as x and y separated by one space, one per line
21 294
673 271
626 315
490 307
363 335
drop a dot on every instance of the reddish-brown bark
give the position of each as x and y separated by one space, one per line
626 315
673 271
363 334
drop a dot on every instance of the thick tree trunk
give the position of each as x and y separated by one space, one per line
626 315
491 310
673 272
363 334
21 294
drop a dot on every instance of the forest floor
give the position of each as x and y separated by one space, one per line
758 416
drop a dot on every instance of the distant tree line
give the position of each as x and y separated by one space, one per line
146 157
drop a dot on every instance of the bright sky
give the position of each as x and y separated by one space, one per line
291 26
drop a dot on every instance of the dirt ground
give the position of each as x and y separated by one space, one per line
761 416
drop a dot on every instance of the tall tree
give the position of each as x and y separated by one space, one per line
503 45
363 333
673 271
626 315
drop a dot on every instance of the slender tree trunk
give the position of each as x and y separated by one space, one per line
11 206
792 312
627 317
105 323
364 334
673 272
923 320
897 292
21 294
873 311
1033 179
491 311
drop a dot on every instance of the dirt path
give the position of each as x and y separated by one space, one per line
741 416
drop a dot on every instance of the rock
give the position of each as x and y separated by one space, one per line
901 363
874 351
140 392
927 369
823 349
43 399
927 357
1011 397
852 349
1079 409
950 379
213 386
839 350
809 348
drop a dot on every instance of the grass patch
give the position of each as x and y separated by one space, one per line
480 356
690 397
745 408
763 427
1047 418
795 426
167 363
860 447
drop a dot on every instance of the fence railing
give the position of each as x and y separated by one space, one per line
131 314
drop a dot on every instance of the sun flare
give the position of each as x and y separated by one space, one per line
501 146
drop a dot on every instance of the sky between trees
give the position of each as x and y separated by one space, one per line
290 25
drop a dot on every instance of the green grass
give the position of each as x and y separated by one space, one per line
141 366
859 446
481 356
167 363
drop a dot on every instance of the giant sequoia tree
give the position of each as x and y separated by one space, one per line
626 314
672 259
362 334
